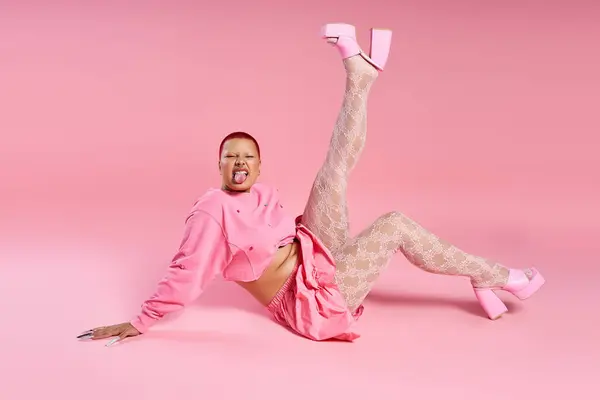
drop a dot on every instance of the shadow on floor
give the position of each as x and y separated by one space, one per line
420 301
230 295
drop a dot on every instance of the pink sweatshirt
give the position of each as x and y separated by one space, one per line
228 235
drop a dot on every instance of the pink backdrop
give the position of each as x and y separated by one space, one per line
484 128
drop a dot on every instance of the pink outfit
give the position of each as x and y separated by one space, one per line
310 302
235 236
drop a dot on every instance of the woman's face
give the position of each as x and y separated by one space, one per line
239 165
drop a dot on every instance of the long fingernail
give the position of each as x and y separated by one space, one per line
111 342
85 336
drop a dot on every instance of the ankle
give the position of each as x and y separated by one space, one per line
497 276
358 65
499 279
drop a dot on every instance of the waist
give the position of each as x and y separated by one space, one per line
275 275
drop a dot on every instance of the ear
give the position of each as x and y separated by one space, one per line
220 168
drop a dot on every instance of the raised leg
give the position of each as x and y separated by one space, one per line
362 259
326 212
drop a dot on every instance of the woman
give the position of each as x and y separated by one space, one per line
307 271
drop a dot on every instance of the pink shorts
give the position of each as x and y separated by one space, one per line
310 303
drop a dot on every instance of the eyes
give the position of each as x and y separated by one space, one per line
232 156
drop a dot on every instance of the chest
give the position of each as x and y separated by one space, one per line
260 217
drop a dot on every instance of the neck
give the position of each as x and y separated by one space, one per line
227 189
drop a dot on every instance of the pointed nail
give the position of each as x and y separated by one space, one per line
85 336
112 342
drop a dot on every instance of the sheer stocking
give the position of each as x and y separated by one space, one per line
362 259
326 213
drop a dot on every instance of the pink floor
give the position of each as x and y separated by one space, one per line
424 336
482 128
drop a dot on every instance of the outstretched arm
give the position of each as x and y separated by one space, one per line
202 256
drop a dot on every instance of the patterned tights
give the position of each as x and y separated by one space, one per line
361 259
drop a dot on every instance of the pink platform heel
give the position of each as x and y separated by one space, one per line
518 284
345 36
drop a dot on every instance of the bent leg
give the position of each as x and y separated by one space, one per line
326 212
363 258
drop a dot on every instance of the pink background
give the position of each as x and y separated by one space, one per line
483 128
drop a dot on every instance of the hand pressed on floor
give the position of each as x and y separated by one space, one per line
119 331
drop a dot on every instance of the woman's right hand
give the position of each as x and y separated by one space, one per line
121 331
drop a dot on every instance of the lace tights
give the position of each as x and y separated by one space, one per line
360 260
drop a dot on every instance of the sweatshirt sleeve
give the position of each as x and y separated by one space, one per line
202 256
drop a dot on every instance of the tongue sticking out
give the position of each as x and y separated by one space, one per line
240 177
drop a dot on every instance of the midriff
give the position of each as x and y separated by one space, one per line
277 273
